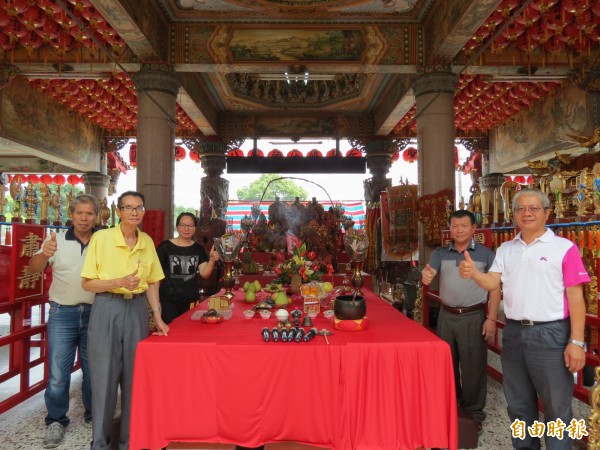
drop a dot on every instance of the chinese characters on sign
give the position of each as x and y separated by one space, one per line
27 240
556 428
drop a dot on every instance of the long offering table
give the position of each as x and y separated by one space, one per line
386 388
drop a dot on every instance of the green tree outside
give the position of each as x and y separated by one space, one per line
285 189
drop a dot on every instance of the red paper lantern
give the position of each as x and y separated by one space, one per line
179 153
519 179
295 153
46 179
194 156
410 154
256 152
133 155
353 153
395 156
73 180
59 180
34 179
314 153
333 152
275 153
236 152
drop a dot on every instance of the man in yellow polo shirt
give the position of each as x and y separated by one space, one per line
122 268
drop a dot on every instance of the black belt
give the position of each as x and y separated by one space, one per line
124 296
53 303
530 323
463 309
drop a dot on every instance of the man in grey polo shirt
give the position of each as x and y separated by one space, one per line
462 322
69 314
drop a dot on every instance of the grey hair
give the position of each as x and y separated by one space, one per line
539 194
85 199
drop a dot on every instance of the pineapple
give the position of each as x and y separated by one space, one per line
295 283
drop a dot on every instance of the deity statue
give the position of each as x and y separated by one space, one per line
278 214
315 211
296 216
16 192
210 226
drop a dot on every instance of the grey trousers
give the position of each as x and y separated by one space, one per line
469 356
116 326
533 366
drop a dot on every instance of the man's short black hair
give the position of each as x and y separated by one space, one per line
132 194
460 213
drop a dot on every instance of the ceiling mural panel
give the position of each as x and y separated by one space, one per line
549 126
31 119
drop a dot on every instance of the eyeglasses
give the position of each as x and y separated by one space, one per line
130 209
531 209
187 227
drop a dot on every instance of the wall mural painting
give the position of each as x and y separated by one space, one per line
276 44
28 117
542 130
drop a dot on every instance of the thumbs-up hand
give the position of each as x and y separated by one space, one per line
214 254
427 275
50 245
467 268
130 282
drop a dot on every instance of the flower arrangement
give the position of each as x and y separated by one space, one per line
356 243
303 263
228 246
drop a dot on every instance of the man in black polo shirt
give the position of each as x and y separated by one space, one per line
462 322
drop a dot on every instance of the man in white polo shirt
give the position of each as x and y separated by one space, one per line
543 343
69 314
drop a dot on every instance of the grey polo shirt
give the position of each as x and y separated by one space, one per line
454 290
67 263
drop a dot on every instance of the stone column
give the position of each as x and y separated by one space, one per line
213 162
434 94
157 88
379 160
96 183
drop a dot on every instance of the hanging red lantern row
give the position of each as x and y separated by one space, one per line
133 155
334 152
481 105
275 153
33 24
314 153
410 154
179 153
550 25
46 179
294 153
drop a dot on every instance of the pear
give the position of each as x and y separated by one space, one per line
282 299
250 296
257 286
245 287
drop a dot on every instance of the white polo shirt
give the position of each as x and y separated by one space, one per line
67 263
535 276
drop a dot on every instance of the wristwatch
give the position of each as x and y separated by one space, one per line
581 344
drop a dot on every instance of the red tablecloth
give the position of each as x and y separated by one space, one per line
387 388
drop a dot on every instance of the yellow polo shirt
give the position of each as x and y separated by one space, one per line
109 257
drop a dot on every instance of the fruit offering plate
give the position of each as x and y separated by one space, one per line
211 319
272 288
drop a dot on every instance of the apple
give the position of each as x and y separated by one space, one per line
250 296
327 286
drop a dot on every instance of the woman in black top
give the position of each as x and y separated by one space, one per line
182 260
